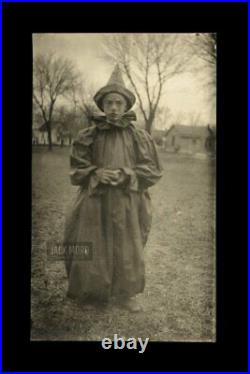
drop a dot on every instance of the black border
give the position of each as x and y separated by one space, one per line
229 20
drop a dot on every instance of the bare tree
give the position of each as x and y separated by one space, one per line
65 119
148 61
53 77
163 116
70 121
204 47
82 98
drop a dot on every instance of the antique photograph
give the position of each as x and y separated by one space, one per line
124 188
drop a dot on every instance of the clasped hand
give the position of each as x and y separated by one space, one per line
113 177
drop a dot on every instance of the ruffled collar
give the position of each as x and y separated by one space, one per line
125 121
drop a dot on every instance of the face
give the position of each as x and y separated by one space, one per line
114 106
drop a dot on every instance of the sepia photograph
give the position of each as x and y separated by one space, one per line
124 188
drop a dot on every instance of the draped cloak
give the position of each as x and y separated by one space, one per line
115 220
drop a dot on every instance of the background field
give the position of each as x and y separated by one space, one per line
179 298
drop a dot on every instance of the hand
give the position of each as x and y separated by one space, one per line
107 176
120 179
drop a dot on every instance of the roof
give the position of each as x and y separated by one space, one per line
158 132
190 131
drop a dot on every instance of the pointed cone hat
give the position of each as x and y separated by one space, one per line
117 85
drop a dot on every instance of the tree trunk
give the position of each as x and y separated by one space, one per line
149 123
49 135
148 126
49 123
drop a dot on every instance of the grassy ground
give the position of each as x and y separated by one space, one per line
179 298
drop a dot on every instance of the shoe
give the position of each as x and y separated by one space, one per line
131 305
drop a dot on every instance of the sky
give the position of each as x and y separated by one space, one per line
186 96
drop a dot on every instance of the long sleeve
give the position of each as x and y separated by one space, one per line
80 158
148 166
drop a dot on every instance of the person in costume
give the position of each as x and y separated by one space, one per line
114 163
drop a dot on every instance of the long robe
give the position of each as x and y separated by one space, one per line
115 220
